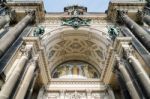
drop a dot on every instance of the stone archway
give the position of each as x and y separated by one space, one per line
64 44
84 44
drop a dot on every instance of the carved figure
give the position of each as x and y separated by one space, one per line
86 72
113 32
39 31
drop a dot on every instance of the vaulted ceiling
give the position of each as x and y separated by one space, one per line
83 44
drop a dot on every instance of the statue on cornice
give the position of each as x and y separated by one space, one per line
38 31
113 32
75 10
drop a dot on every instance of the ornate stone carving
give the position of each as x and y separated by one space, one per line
30 12
12 15
75 10
68 47
128 50
120 14
119 61
25 50
140 17
75 45
75 95
75 22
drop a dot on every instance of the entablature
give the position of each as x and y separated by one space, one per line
130 6
21 7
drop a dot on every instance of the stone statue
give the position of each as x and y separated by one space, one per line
75 12
39 31
63 71
113 32
85 70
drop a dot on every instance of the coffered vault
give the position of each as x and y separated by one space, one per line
64 44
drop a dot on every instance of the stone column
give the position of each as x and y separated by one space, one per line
13 33
141 73
4 20
7 88
138 31
26 81
30 89
123 87
131 88
146 19
12 69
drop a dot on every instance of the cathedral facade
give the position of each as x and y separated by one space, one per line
74 54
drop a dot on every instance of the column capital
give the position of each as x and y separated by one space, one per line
30 12
119 62
140 15
128 51
26 50
33 61
12 15
120 14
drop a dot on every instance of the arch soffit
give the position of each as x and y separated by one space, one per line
97 37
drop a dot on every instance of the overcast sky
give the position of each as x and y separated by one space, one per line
92 5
